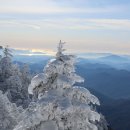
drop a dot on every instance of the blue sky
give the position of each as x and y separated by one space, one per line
86 25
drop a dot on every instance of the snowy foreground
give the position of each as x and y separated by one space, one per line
57 104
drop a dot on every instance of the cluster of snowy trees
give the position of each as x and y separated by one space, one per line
57 103
9 113
13 80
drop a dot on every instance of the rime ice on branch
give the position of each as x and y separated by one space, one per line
60 105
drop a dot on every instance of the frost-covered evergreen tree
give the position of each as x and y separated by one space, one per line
12 80
9 113
0 51
6 63
7 52
60 105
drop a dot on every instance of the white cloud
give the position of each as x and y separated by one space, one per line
19 24
88 24
111 23
71 24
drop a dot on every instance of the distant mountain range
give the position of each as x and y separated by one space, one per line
90 55
109 81
115 58
31 59
108 56
112 60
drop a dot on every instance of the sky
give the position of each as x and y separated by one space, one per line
85 25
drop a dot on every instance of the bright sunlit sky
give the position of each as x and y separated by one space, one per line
86 25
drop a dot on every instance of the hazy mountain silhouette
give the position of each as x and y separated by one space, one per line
114 58
108 81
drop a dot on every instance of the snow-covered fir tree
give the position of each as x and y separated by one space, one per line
0 52
0 60
7 52
12 80
9 113
6 64
59 103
